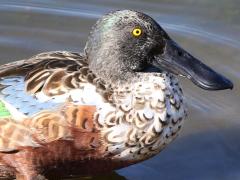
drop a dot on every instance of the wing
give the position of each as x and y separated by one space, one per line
41 82
32 93
51 72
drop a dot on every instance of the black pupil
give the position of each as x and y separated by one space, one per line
137 32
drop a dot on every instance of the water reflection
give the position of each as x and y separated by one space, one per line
110 176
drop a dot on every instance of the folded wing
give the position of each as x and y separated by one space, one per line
32 94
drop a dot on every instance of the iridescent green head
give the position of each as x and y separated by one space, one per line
124 43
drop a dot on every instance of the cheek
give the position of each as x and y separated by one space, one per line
134 52
138 63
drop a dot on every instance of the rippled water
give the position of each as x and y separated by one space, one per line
209 146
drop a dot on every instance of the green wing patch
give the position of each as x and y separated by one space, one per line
3 110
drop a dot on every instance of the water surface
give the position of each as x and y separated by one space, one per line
209 146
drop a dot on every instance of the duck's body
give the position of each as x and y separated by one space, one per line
70 113
69 116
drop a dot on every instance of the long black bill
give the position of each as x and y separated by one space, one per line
178 61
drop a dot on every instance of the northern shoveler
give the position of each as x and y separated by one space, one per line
117 103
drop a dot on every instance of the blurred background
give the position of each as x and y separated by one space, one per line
209 146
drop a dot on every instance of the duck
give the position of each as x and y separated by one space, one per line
117 103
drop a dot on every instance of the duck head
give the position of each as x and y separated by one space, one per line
124 43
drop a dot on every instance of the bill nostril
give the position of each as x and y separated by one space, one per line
179 53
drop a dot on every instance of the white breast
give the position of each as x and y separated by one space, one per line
148 115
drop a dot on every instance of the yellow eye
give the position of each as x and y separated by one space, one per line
137 32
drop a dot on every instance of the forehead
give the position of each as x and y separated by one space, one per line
128 17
